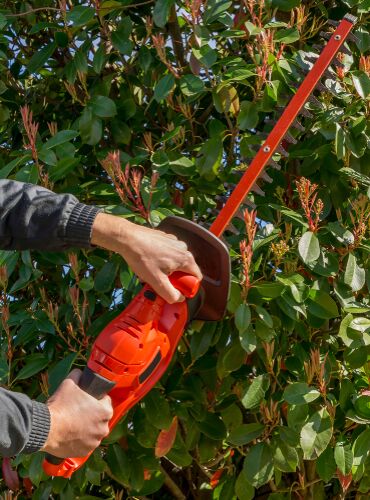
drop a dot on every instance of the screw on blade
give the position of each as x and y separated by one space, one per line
314 101
282 151
265 177
297 125
289 138
274 164
306 113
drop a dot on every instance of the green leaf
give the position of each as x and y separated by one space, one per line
213 426
205 55
105 277
248 340
309 247
285 456
100 58
343 458
62 168
269 290
340 148
316 434
300 393
164 87
242 318
362 83
245 433
255 392
60 138
191 85
201 341
248 115
80 15
119 463
103 107
258 466
210 157
360 450
157 410
243 489
91 128
34 364
40 57
354 275
321 305
161 12
60 371
120 37
289 35
28 173
325 465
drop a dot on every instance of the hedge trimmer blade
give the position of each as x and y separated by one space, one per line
280 135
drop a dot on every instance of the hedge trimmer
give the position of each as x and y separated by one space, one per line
134 350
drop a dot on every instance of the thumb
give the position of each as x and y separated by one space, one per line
75 375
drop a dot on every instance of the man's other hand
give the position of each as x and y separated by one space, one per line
151 254
78 421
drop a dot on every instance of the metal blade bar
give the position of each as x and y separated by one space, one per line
282 126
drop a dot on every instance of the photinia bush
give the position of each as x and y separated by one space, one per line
154 108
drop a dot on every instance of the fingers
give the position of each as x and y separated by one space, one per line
190 266
167 291
75 375
107 404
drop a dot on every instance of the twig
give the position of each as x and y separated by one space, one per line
172 486
56 9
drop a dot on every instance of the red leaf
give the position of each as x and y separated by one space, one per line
10 475
27 485
166 439
345 481
216 478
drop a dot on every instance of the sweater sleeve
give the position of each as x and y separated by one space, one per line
24 424
34 218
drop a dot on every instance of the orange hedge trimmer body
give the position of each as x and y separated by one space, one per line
134 350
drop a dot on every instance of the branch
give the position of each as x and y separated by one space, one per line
175 32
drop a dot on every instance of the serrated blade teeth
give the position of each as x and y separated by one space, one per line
306 113
289 138
329 74
317 47
338 64
265 177
314 101
282 151
256 189
232 229
297 125
331 22
352 38
274 164
344 50
325 35
311 59
321 87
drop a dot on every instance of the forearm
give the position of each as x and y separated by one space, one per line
32 217
24 424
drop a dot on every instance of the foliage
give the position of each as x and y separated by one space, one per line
150 109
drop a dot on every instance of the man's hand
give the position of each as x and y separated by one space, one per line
78 421
151 254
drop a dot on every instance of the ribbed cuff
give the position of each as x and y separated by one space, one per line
40 427
79 225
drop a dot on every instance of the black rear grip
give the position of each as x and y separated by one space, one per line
96 386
